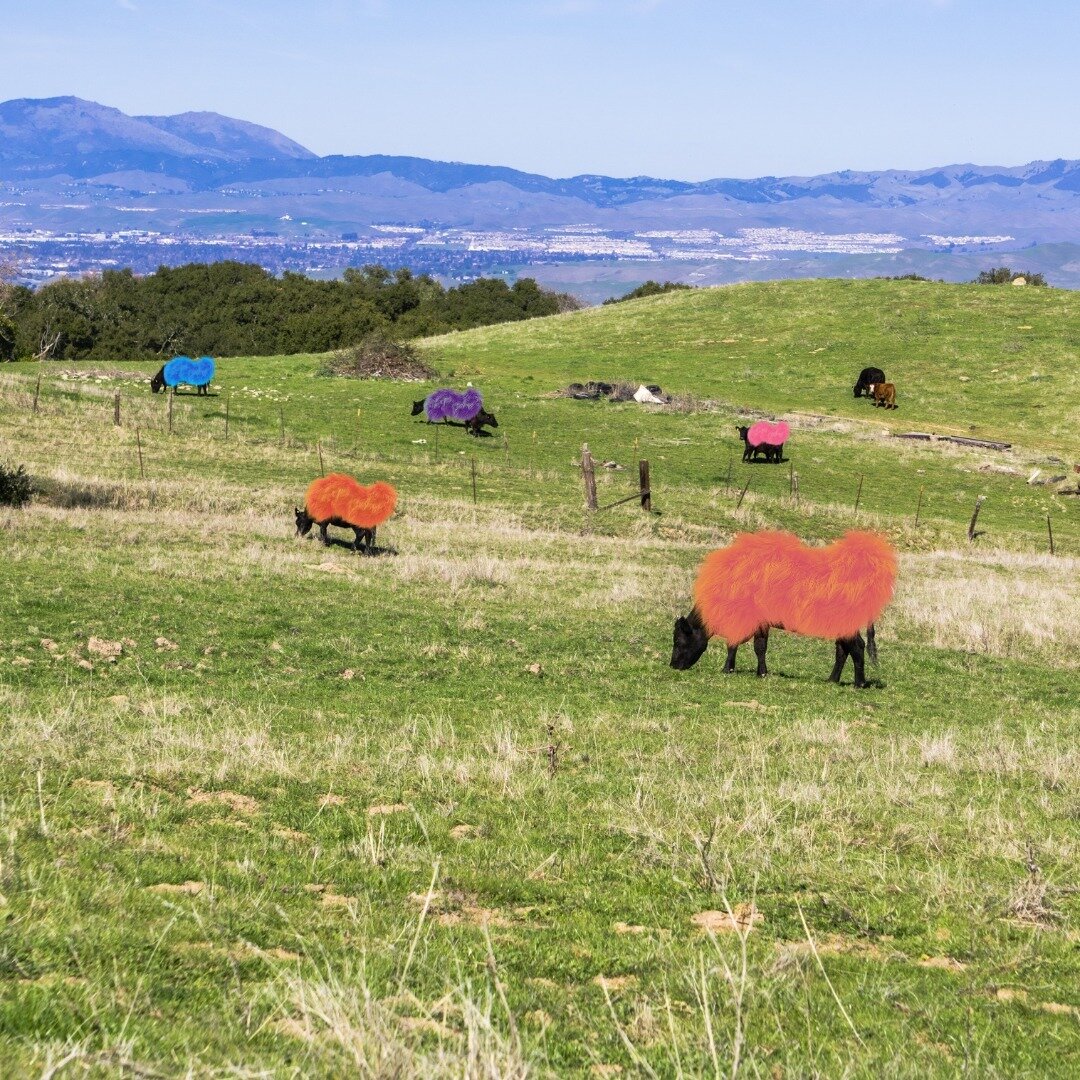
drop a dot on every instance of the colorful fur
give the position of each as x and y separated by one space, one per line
339 496
448 404
772 579
764 433
182 369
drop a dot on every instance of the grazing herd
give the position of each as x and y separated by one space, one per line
761 581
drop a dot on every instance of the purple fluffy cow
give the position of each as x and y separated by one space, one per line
465 407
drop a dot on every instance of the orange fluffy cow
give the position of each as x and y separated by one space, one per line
338 499
768 580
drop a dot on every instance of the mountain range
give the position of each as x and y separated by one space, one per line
72 168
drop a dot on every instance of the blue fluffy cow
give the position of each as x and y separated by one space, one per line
182 369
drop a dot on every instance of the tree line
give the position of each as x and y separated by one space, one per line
240 309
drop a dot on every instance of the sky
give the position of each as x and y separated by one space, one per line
677 89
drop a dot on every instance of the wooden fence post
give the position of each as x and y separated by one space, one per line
795 481
116 408
974 517
37 391
918 508
589 474
791 478
858 494
506 448
742 494
322 467
1050 532
646 489
172 394
138 444
281 420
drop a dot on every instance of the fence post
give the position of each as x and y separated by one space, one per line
589 474
227 397
322 467
506 448
172 394
974 517
795 480
281 419
918 508
646 490
742 494
138 444
858 494
791 478
1050 532
37 391
116 409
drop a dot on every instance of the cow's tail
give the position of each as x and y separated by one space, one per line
871 644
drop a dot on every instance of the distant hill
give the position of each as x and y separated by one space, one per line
72 169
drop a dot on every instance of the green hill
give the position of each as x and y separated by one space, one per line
995 362
271 808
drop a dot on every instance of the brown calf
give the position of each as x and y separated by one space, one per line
884 394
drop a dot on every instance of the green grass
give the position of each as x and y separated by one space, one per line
450 812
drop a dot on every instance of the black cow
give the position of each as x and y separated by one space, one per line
867 376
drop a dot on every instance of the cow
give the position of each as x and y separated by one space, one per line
884 395
867 377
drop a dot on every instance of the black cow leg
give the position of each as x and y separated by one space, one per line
358 535
729 663
761 643
858 654
322 535
841 659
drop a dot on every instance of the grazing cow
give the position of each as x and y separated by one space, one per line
769 580
884 395
465 407
182 369
867 377
764 438
337 499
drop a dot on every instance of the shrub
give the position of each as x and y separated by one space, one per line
1003 275
377 357
649 288
15 486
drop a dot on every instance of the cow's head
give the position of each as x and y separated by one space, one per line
418 407
484 417
744 433
690 641
304 521
157 383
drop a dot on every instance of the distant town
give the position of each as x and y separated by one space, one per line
453 253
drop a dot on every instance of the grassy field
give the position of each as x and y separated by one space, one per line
270 809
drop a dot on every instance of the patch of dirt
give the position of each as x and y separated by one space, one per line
742 917
456 908
292 834
239 804
109 651
188 888
388 808
615 982
332 800
753 704
163 644
629 928
105 787
834 945
944 963
463 832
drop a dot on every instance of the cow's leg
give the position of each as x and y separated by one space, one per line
871 643
858 653
729 663
358 535
322 534
841 659
761 643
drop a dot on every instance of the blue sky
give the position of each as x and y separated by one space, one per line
686 89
